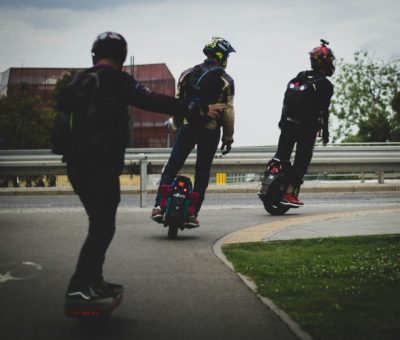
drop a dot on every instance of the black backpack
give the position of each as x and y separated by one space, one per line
196 93
300 100
77 106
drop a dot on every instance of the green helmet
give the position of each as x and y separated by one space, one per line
218 48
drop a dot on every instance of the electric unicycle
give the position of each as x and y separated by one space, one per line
274 185
178 201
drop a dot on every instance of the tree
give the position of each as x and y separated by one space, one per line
61 83
396 120
26 121
361 106
396 104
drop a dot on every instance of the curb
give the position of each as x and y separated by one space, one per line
261 232
293 325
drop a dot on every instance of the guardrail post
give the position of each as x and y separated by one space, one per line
381 177
143 180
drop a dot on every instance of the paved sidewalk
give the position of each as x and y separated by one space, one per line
386 222
358 222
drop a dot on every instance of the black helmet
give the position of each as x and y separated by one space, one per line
218 48
323 59
110 45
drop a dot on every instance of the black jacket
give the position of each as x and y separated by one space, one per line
98 98
320 105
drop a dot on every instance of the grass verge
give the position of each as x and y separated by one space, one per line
335 288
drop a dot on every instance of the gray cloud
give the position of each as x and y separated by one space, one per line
272 39
70 4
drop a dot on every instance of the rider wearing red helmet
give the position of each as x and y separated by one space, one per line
305 115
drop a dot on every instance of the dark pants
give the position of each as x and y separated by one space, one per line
99 192
304 138
187 138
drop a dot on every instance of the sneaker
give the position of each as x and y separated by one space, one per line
157 215
192 222
113 289
87 294
98 290
290 200
94 300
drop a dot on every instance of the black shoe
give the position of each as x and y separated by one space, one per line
94 291
95 300
86 294
113 289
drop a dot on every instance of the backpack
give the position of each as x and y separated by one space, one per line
61 135
300 100
195 93
77 105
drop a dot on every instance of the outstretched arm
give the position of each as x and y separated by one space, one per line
144 98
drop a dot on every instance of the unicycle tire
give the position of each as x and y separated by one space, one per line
172 232
275 209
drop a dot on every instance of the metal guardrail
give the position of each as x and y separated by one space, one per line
336 158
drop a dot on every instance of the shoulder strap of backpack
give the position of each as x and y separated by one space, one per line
209 70
313 79
88 91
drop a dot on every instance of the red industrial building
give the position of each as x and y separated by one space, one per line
148 129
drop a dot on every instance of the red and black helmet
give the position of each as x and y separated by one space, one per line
110 45
322 58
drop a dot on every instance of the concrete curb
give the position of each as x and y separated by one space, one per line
293 325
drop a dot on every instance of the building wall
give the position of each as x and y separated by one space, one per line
4 82
147 128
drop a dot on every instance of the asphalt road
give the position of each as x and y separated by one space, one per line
174 289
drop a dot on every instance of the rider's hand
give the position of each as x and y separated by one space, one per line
226 147
214 110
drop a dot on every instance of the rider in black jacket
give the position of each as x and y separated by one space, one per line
301 122
98 99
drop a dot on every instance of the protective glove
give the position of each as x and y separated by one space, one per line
226 147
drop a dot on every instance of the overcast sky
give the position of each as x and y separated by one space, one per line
272 39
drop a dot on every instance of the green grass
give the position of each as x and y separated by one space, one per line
335 288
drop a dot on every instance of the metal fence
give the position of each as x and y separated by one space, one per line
373 159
